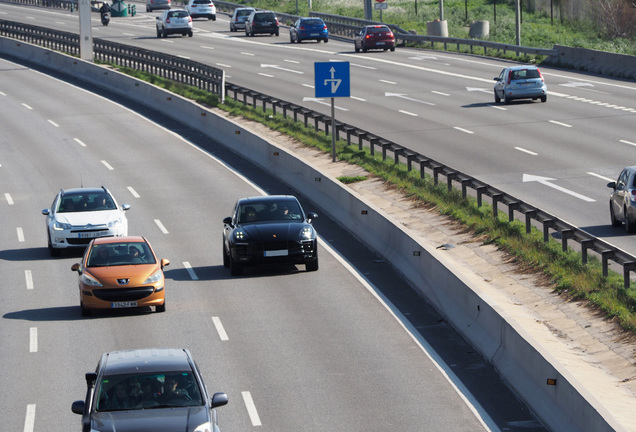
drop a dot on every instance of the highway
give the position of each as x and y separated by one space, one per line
293 350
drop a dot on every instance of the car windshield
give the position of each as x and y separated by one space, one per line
525 74
178 14
147 391
269 211
85 202
312 22
243 12
264 17
118 254
378 30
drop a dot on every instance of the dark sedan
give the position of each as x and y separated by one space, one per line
146 390
374 37
267 230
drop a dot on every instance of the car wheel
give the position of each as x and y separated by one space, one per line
312 265
226 257
213 17
615 222
325 40
148 9
392 49
158 33
276 33
232 29
190 34
364 49
235 268
630 226
53 251
291 38
357 49
161 307
506 100
85 312
497 98
164 33
544 98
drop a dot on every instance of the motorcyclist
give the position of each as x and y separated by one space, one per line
104 13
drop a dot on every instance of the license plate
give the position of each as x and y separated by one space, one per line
266 23
380 43
126 304
314 34
90 234
274 253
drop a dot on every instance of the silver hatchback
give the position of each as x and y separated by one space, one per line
520 82
622 205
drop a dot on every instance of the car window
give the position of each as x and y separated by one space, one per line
202 2
117 254
315 21
243 12
147 391
86 202
264 17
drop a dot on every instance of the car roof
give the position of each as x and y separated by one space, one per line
245 8
122 239
268 198
522 67
73 191
146 360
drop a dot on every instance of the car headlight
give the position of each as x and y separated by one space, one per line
115 223
59 226
155 277
90 280
240 235
205 427
307 232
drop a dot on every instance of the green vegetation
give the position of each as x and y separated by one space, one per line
612 29
564 271
354 179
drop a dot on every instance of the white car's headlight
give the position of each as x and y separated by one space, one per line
307 232
155 277
115 223
205 427
59 226
90 280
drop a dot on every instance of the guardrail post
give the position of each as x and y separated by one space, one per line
512 206
423 163
495 199
385 146
585 245
409 160
606 255
530 214
547 224
480 190
450 176
627 267
372 142
565 235
436 171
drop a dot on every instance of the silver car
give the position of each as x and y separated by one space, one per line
239 17
202 9
520 82
622 205
174 21
152 5
79 215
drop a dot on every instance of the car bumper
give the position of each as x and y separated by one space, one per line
313 36
379 45
179 30
203 15
79 239
122 298
535 92
258 253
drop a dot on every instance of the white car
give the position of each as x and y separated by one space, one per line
202 9
173 21
79 215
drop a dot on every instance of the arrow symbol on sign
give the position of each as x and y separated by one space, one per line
281 68
403 96
335 83
320 101
472 89
546 181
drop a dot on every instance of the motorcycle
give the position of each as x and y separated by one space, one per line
105 18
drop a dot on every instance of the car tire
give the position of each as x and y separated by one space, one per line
164 33
392 49
53 251
158 33
291 39
506 100
226 257
615 222
277 33
232 29
357 49
312 265
190 33
364 49
497 98
161 307
325 40
85 312
630 226
235 268
213 17
544 98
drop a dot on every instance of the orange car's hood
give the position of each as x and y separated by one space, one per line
136 274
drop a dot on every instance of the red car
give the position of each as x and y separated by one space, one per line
375 37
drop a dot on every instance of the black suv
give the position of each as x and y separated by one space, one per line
260 22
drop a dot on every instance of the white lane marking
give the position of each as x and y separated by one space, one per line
183 57
600 176
308 85
27 106
404 96
282 68
440 93
207 47
248 54
79 141
219 328
320 101
408 113
292 61
358 98
161 227
133 192
266 75
33 339
29 418
251 408
28 276
388 82
7 196
53 123
628 142
463 130
223 65
546 181
107 165
526 151
191 272
20 234
559 123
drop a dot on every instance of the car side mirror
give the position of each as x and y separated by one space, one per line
164 262
76 267
125 207
227 220
311 216
219 399
46 212
78 407
157 18
612 185
496 78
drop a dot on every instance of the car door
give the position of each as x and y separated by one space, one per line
499 85
619 195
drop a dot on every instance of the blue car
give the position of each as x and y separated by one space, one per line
309 29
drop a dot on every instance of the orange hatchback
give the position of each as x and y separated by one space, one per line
120 272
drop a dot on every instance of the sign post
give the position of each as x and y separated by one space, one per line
332 80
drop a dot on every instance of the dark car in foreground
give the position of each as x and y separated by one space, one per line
308 29
148 390
520 82
268 230
262 22
622 204
374 37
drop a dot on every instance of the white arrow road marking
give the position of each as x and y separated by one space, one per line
320 101
281 68
403 96
576 84
546 181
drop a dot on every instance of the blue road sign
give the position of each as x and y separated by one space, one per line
332 79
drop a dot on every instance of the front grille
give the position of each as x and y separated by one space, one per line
123 294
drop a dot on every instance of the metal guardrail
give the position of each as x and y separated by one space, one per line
207 77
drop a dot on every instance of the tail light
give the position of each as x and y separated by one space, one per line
324 27
189 19
302 28
540 75
509 76
168 20
277 21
